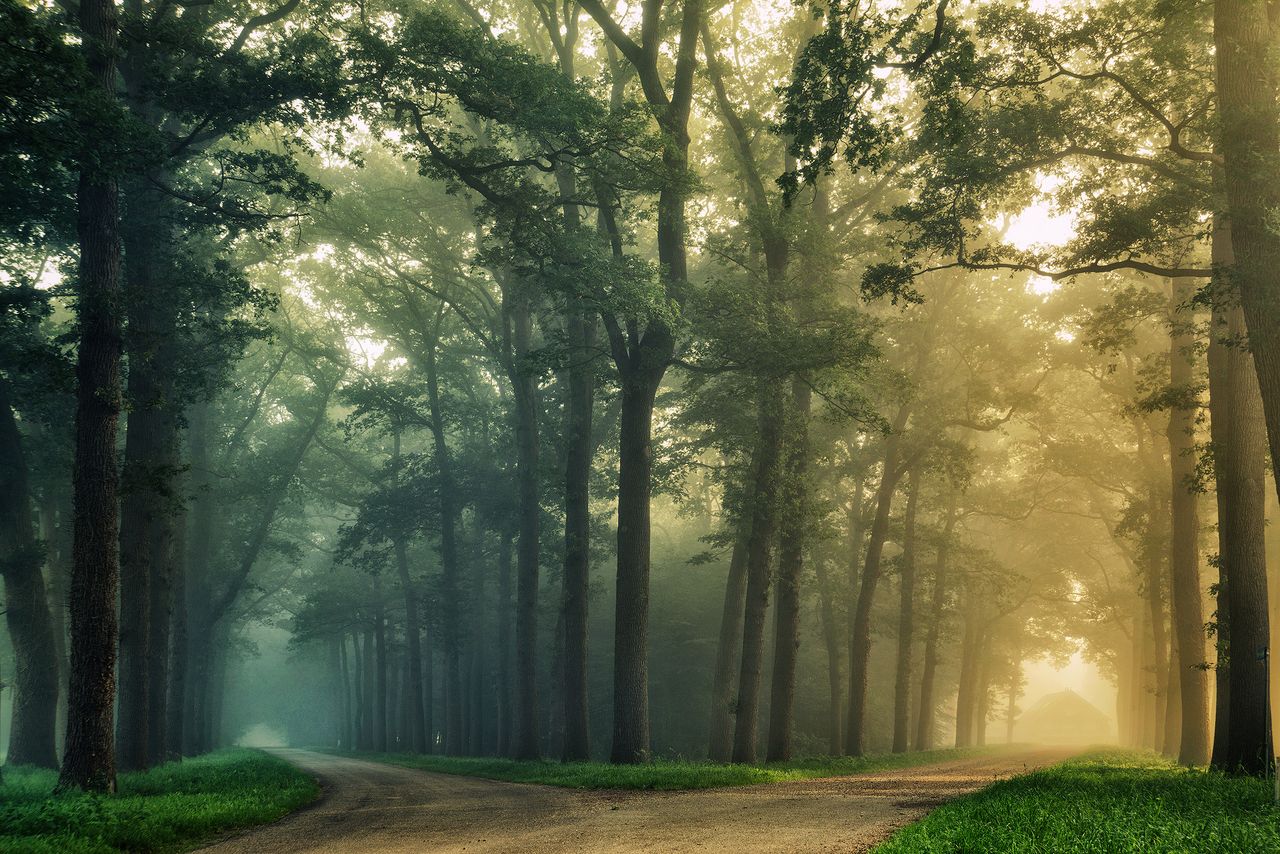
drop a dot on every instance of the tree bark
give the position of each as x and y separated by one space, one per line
32 735
88 760
380 665
1239 442
1154 586
642 361
631 609
416 733
450 601
577 532
860 634
524 386
1184 564
505 716
831 640
728 652
791 548
929 668
763 512
906 619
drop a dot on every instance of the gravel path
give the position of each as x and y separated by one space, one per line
384 809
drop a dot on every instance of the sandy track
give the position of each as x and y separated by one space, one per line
383 809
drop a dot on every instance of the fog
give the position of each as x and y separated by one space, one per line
491 379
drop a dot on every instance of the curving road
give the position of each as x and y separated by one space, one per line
383 809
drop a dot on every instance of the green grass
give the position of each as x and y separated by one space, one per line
664 775
1114 801
169 808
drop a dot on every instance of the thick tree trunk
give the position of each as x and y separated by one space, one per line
929 668
175 690
1239 442
763 512
642 366
1188 609
906 620
577 531
526 745
631 609
88 761
32 736
860 633
791 548
147 489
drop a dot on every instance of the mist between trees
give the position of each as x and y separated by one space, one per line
733 381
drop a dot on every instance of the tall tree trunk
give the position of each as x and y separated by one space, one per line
577 532
906 619
763 512
88 761
147 487
860 634
345 741
526 744
1246 38
1239 441
1173 704
32 737
416 732
928 674
1188 609
358 739
369 668
380 663
966 692
982 702
450 600
831 640
176 689
728 652
791 547
631 607
642 366
1154 586
506 717
57 542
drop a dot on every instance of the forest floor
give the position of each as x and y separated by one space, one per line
169 808
376 808
1109 802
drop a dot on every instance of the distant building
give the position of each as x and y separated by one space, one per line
1064 718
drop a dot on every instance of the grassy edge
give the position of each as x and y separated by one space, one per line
1110 800
663 775
173 807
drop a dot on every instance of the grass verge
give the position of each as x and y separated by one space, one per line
169 808
1113 801
664 774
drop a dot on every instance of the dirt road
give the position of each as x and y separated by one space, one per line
382 809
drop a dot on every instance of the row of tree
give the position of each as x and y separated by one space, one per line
406 315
